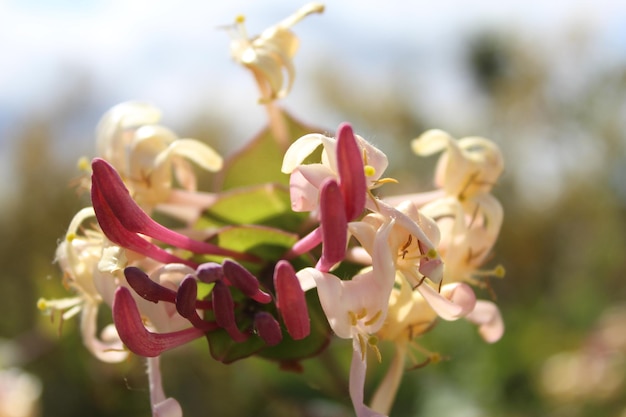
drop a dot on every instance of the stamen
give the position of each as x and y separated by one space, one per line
353 318
374 318
372 341
362 345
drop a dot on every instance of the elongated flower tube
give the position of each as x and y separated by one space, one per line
121 218
135 335
356 309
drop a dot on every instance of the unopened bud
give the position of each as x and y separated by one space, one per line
224 311
210 272
290 301
243 280
186 304
268 328
146 288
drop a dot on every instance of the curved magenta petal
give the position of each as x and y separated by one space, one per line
112 190
134 334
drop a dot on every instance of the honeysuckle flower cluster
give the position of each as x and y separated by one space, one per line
253 262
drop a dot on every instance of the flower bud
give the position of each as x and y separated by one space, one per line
268 328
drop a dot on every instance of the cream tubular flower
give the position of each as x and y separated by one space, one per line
269 56
467 238
80 258
148 155
468 167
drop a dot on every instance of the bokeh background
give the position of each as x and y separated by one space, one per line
545 80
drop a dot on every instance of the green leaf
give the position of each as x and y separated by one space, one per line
260 161
226 350
266 204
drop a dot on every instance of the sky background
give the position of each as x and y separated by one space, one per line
171 53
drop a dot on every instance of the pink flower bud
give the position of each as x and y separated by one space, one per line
290 301
351 173
186 304
268 328
224 311
210 272
333 224
243 280
146 288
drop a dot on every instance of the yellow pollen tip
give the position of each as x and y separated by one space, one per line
370 171
42 304
499 272
353 318
435 358
432 253
70 236
83 164
240 19
374 318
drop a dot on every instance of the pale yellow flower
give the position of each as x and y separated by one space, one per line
149 156
270 55
468 166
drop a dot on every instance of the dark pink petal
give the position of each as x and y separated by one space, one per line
112 189
351 172
116 233
186 300
267 328
146 288
136 337
333 224
247 283
224 311
290 301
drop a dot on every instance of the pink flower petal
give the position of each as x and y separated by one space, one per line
487 316
455 301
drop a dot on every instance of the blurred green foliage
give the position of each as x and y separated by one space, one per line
563 250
